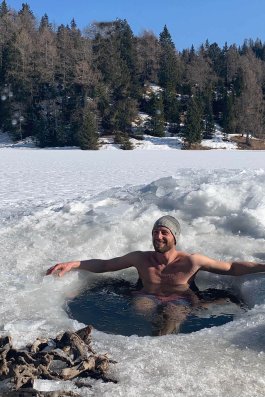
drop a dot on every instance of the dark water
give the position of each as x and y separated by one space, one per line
108 307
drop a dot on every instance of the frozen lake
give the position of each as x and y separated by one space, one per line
58 205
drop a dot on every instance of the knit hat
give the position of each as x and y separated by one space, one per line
170 223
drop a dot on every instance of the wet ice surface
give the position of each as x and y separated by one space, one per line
63 205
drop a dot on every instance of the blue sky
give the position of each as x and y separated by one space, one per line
189 21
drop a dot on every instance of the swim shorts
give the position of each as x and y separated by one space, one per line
176 299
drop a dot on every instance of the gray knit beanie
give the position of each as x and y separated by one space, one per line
170 223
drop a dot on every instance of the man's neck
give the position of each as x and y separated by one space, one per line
167 257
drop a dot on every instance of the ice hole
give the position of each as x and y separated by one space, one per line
108 306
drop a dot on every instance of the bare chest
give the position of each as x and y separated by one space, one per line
174 274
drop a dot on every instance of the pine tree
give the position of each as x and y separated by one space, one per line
126 144
158 121
124 112
44 23
123 140
228 119
127 47
165 38
73 25
215 54
209 126
42 132
169 70
88 136
3 9
194 122
171 107
208 115
169 77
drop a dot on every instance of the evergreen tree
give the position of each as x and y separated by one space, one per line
165 38
3 9
127 47
123 140
88 136
209 126
169 71
215 54
169 76
42 132
126 144
228 119
192 53
44 23
194 121
208 115
73 25
45 127
171 107
124 112
158 121
114 49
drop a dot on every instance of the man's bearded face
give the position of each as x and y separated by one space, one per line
163 239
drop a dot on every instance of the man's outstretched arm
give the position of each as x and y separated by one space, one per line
98 265
236 268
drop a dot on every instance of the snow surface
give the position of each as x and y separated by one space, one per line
148 142
169 143
217 142
58 205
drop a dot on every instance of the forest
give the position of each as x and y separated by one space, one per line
64 87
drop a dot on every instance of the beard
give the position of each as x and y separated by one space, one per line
162 247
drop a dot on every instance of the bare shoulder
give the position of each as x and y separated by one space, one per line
199 259
188 259
142 258
137 254
135 257
203 262
184 256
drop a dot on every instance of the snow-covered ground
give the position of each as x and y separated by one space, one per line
57 205
170 143
218 142
148 142
6 142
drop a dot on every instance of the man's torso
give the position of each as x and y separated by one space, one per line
161 279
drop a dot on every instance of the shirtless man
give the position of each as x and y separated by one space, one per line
166 274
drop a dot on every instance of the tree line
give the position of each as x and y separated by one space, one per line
63 86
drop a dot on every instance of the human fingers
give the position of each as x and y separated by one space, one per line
58 268
66 267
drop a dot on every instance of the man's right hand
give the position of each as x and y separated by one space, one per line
61 268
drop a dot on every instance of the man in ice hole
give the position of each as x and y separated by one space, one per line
166 274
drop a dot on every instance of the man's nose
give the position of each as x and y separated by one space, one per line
159 235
